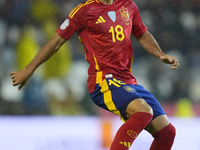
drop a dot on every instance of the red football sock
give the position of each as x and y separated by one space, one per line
128 132
164 139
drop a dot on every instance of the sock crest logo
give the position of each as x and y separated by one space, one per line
132 133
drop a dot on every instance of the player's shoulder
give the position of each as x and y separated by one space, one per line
128 2
81 8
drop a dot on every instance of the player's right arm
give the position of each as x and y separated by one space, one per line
21 77
74 23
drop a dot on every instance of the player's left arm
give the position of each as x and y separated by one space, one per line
148 42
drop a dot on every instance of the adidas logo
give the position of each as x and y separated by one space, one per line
100 20
127 144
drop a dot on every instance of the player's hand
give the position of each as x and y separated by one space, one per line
20 78
170 60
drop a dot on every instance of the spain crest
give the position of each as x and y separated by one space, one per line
129 89
125 14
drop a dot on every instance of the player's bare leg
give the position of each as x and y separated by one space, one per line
139 114
138 105
163 132
157 124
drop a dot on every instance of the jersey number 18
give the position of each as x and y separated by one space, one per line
119 33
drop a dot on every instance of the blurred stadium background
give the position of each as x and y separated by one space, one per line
46 114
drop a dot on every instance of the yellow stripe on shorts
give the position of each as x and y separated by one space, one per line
108 98
99 77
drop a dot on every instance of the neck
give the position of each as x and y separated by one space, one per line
107 2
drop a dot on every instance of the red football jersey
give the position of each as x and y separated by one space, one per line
105 32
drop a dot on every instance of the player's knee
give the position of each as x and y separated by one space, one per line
138 105
146 108
167 134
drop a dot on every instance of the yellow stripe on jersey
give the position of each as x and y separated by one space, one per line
71 15
80 39
99 73
108 97
96 63
85 57
74 11
131 64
